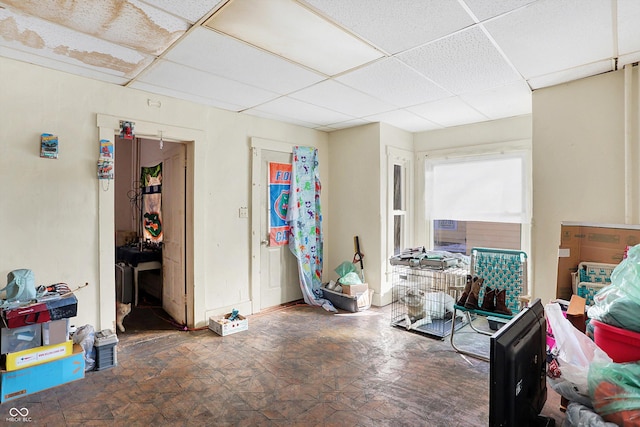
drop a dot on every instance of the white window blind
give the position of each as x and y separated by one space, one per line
489 188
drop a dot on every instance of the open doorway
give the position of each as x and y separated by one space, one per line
150 225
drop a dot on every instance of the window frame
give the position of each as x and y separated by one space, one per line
403 159
517 147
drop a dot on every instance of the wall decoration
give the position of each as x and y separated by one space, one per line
105 169
106 149
279 186
105 160
151 183
127 129
49 146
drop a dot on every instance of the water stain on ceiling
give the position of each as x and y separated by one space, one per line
10 31
119 37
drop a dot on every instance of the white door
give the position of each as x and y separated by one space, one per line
279 281
174 300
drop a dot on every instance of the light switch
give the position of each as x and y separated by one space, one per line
243 212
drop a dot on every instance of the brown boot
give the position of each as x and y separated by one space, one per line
501 306
472 299
465 293
488 301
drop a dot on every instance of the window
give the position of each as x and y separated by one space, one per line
478 201
399 203
462 236
399 211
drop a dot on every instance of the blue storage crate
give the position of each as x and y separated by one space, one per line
590 278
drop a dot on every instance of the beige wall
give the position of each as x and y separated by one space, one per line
358 161
354 158
50 219
578 163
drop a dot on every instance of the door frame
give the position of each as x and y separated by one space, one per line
257 145
108 126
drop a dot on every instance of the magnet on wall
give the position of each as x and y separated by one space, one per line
126 129
49 146
105 169
105 160
106 149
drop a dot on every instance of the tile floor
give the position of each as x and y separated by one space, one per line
295 366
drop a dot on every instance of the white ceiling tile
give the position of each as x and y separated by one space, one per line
285 119
448 112
571 74
506 101
198 83
398 25
42 38
348 124
484 9
130 23
61 66
628 27
394 82
269 25
289 107
404 119
191 10
441 53
178 94
463 62
549 35
338 97
223 56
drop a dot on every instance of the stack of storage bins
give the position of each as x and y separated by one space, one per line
37 353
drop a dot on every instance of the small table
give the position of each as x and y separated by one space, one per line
139 260
143 266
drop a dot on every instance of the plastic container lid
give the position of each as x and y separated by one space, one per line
105 337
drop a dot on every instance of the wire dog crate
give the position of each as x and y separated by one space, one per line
423 298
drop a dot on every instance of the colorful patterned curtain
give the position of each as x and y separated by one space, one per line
151 183
305 219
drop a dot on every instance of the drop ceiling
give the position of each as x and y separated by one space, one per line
331 64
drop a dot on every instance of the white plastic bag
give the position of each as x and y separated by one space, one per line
85 336
575 350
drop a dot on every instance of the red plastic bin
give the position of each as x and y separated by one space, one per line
620 344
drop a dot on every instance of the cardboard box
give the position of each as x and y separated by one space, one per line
355 289
22 382
576 313
364 299
226 327
37 356
590 243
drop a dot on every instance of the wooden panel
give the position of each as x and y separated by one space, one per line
493 235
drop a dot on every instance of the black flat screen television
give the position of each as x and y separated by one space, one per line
517 375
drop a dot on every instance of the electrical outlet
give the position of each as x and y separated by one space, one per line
243 212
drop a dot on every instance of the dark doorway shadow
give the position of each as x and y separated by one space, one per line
148 315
